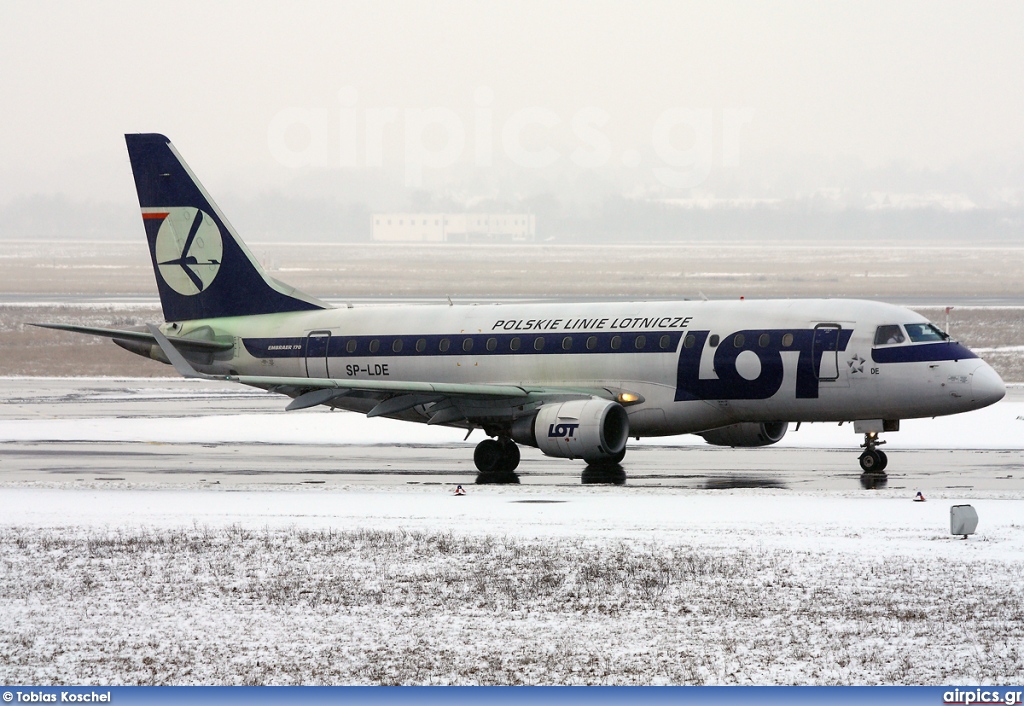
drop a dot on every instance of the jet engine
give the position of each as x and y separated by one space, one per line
594 430
747 434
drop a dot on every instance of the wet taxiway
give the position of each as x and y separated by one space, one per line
275 464
683 467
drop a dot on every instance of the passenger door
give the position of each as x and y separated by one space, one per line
317 343
826 345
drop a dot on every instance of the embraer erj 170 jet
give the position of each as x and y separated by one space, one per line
575 380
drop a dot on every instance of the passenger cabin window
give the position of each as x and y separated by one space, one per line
514 344
467 344
616 342
374 345
592 343
444 345
350 347
397 345
492 343
421 345
888 335
925 333
713 341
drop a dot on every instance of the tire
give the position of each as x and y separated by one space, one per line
510 456
884 461
488 456
871 462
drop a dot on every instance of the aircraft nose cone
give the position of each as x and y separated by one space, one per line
986 386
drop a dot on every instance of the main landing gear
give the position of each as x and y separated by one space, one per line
873 460
497 460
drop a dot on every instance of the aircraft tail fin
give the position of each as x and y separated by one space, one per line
203 269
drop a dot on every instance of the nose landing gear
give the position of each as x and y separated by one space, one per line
873 460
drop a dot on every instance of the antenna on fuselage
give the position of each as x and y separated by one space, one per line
449 298
703 296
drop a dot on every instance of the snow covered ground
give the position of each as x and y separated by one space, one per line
565 584
1000 426
507 585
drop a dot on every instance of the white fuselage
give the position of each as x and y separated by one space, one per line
696 365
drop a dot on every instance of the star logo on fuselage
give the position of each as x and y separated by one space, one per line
856 364
189 249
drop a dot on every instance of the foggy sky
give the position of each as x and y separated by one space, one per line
825 93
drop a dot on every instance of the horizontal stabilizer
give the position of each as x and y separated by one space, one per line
181 365
141 337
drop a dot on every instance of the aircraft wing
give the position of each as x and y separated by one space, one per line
450 402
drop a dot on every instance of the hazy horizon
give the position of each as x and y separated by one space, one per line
677 119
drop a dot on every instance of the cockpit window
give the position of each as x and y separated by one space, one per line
924 333
888 334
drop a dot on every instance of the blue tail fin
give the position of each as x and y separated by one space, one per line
203 269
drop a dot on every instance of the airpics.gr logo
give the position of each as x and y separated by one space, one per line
188 250
966 697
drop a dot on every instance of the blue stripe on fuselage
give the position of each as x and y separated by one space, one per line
922 353
295 347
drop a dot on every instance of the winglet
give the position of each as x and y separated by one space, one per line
179 362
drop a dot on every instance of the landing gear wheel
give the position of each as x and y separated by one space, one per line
607 470
497 460
488 456
510 455
872 461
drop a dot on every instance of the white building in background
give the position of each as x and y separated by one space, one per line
454 227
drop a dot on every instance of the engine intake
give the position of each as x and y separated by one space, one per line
594 430
747 434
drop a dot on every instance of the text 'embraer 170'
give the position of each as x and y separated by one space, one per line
575 380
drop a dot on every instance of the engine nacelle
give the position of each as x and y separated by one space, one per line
747 434
594 430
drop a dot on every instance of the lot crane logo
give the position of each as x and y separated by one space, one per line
188 250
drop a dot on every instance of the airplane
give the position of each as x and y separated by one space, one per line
574 380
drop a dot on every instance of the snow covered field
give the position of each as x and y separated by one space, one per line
505 586
257 417
553 584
